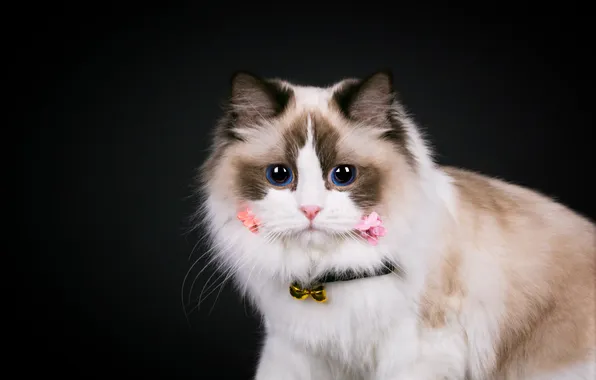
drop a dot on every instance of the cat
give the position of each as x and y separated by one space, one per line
466 276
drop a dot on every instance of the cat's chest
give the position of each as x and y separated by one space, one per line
349 327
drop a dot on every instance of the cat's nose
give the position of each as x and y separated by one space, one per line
310 211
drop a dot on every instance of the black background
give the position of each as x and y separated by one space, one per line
120 99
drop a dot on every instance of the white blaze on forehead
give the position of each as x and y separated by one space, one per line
311 98
309 129
311 187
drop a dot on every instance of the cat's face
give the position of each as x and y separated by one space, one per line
309 162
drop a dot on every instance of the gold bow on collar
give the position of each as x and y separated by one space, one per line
317 292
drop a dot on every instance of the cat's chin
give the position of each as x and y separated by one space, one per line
317 237
314 236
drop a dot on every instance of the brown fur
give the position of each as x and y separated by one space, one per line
326 138
445 292
294 139
548 259
251 182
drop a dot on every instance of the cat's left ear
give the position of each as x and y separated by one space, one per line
367 100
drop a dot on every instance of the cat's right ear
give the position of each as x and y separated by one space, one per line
369 99
254 99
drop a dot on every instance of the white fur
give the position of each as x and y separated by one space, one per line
368 330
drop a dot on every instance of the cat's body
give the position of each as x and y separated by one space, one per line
496 281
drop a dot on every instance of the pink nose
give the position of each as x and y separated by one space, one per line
310 211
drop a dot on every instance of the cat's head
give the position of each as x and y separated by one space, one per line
309 162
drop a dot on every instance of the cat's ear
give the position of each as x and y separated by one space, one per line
367 100
253 98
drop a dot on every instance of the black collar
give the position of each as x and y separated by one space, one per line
385 268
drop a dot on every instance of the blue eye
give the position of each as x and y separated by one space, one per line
279 175
343 175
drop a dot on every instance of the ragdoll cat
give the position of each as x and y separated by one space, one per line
369 261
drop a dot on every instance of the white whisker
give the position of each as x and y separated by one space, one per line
222 273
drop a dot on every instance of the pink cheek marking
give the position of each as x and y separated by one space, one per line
249 220
371 228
